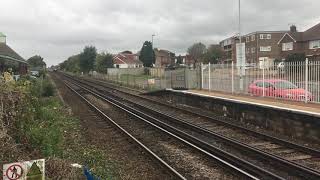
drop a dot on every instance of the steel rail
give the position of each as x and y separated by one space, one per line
299 169
161 161
219 120
195 142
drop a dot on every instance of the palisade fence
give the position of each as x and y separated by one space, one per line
299 81
155 78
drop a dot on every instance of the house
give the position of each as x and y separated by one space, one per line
164 58
10 59
307 42
186 60
228 46
259 46
274 45
262 46
127 59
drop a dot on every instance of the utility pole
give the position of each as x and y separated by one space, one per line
152 39
240 50
240 20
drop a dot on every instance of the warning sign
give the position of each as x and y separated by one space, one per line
24 170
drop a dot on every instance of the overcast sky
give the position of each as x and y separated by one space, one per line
57 29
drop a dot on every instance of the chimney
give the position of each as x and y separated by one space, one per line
293 28
3 38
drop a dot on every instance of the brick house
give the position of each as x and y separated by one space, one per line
274 45
262 46
164 58
259 45
127 59
307 42
228 46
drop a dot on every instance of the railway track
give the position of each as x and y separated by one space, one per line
244 169
269 149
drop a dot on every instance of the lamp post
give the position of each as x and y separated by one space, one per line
152 39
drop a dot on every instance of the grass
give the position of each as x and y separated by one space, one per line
44 126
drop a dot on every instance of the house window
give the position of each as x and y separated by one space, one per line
253 50
265 48
253 37
247 50
314 44
248 39
287 46
268 36
265 36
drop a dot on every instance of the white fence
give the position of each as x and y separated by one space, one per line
298 81
119 71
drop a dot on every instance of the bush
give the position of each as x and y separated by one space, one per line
42 125
42 88
48 89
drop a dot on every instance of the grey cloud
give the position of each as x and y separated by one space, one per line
56 29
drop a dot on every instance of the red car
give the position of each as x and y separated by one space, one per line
278 88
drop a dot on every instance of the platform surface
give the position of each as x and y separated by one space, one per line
287 105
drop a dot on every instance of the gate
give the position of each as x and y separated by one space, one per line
184 78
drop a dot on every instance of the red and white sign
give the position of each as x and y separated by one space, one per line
14 172
19 170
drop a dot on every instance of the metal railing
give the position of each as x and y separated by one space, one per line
298 81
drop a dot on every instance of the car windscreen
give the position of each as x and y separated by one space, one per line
284 85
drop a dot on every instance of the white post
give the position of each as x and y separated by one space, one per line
201 66
306 81
263 79
232 77
209 76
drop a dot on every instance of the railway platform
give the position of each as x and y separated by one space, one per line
289 118
299 107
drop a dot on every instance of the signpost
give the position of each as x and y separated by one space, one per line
33 169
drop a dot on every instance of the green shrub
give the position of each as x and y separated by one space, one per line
48 89
43 125
42 88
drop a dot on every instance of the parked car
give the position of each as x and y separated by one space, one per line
279 88
35 73
313 87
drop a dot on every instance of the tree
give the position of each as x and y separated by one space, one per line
87 58
197 51
179 60
213 54
103 61
147 55
36 61
71 64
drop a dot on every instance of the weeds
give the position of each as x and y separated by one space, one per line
35 124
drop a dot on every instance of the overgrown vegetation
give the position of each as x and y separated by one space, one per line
35 124
88 60
200 53
103 62
36 61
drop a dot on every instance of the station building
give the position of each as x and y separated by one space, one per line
9 59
